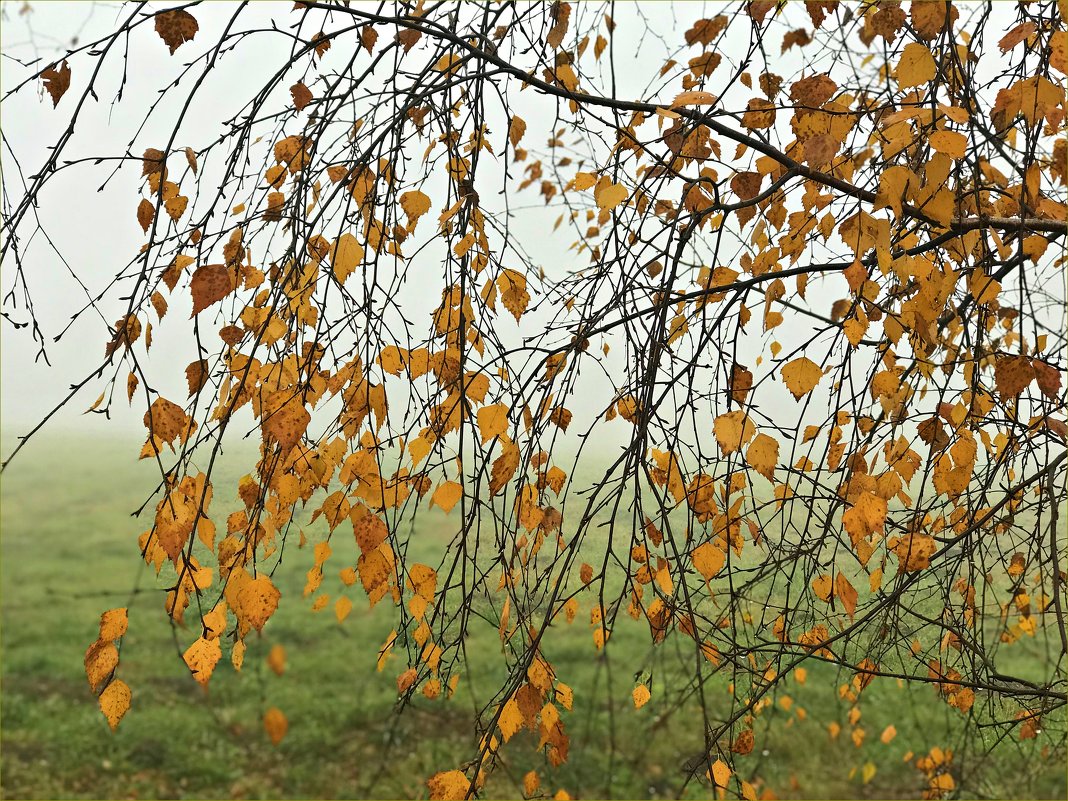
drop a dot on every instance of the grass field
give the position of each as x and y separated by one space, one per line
69 551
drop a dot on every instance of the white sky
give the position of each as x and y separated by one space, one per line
96 232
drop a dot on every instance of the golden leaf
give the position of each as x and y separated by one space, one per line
492 421
257 601
450 785
113 624
708 559
201 658
610 196
516 128
801 376
951 143
101 659
916 66
345 256
732 430
763 455
342 608
415 204
302 95
115 702
447 495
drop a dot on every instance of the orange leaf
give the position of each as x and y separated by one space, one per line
641 696
275 724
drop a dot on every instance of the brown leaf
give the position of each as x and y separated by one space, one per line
196 374
56 81
741 383
813 91
145 213
165 419
746 185
210 284
1012 374
561 15
231 334
1047 377
153 161
176 28
302 95
287 424
408 38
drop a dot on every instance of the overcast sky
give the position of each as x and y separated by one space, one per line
96 233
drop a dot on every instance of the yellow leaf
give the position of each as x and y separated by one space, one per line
201 658
113 624
584 180
951 143
641 696
610 196
733 430
846 594
257 601
695 98
917 66
866 516
510 720
345 256
101 658
868 772
415 205
342 607
275 724
447 495
392 359
720 773
801 376
449 785
763 455
889 733
513 289
822 586
708 559
115 702
516 128
492 421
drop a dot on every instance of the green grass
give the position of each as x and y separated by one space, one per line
69 551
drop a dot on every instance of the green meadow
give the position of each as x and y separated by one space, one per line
69 551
